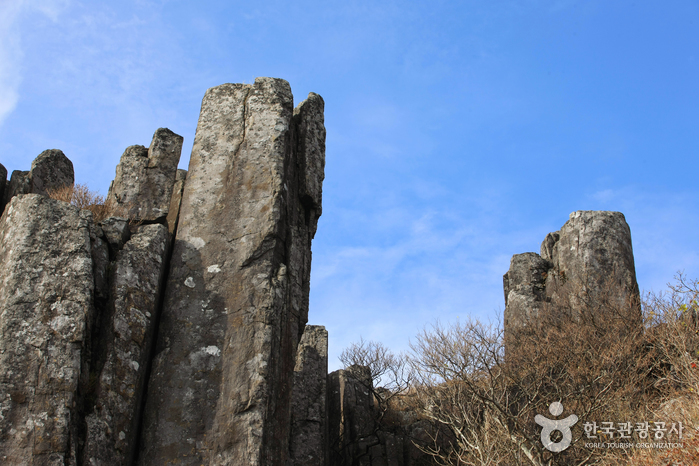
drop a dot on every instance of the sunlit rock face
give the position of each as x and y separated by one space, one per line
236 300
165 330
46 307
590 259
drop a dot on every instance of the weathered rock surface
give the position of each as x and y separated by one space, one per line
51 170
20 183
46 291
145 177
351 416
525 288
236 299
591 252
134 293
309 427
116 231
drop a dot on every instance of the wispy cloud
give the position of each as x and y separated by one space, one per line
11 53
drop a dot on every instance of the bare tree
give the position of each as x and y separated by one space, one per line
484 402
391 375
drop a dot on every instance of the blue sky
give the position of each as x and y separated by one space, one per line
458 133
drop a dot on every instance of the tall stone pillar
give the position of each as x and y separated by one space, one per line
236 299
309 421
46 292
590 256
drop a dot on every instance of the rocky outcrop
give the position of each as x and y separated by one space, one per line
144 179
362 432
351 416
237 293
82 303
309 424
50 170
125 345
19 183
46 292
590 256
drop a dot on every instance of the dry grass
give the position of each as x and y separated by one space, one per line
82 197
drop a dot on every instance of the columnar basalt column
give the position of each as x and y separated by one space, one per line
145 177
590 256
236 299
46 293
309 422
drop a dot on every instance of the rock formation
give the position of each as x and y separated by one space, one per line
46 303
213 263
236 299
144 177
309 424
50 170
591 253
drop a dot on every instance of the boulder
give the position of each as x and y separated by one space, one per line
51 170
46 292
20 183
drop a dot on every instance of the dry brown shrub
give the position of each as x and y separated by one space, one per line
82 197
589 358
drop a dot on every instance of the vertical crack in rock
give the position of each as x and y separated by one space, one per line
234 308
135 286
46 295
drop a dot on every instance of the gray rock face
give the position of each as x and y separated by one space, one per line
525 288
20 183
237 292
46 291
116 231
592 251
145 177
135 289
51 170
308 443
351 416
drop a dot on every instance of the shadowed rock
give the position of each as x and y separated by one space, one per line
308 443
145 177
351 416
20 183
46 307
134 292
236 299
51 170
173 215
